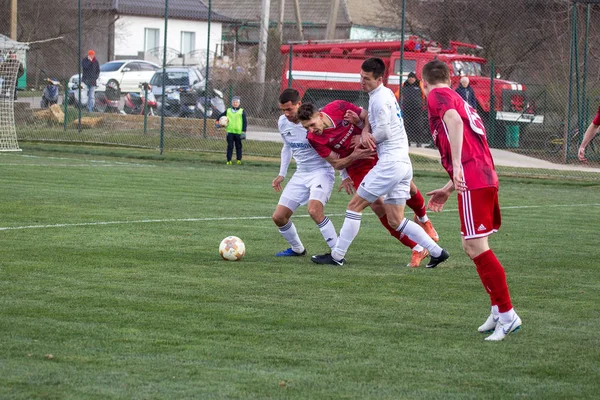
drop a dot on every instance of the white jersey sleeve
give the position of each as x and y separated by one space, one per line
294 136
387 125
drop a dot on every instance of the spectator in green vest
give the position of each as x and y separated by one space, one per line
236 129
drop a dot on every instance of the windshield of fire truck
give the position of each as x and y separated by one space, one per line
468 68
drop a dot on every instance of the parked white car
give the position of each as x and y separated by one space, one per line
127 73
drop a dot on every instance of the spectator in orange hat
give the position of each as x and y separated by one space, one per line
90 72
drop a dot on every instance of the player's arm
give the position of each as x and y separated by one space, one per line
359 153
286 158
591 131
454 124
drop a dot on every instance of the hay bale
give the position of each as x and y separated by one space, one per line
88 122
57 113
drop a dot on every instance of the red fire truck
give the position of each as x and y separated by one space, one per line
325 71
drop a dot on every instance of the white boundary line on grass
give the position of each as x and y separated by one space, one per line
147 221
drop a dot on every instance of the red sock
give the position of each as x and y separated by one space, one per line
401 237
417 204
493 277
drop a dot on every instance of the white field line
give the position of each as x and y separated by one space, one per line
97 162
148 221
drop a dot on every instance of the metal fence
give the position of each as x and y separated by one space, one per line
535 85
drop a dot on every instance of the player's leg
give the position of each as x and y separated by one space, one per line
418 253
394 206
480 217
294 194
320 184
417 204
348 232
230 140
238 148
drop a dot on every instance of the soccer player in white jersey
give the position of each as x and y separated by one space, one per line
390 177
311 184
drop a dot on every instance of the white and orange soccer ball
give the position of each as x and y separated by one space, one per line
232 248
223 121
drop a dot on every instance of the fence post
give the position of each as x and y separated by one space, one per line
146 107
164 79
492 127
290 65
66 103
79 62
206 78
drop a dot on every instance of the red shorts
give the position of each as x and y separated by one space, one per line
479 212
359 169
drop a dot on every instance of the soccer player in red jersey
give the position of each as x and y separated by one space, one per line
330 132
459 134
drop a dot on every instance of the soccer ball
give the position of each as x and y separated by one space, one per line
223 121
232 248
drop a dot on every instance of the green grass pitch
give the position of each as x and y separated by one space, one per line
111 287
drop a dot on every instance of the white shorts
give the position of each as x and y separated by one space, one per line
390 179
305 186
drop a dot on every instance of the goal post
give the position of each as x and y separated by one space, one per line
12 57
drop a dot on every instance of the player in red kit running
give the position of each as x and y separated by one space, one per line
459 134
331 131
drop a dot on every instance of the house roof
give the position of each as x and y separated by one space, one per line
311 11
7 43
180 9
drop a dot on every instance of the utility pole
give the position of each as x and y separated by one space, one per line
331 25
264 34
13 19
298 18
280 21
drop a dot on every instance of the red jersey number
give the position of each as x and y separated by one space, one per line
474 120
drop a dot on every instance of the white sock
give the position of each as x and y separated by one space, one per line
347 234
418 248
289 233
328 231
423 219
495 311
507 317
417 234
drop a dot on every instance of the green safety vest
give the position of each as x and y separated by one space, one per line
236 121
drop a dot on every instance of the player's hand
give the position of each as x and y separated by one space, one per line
277 183
581 154
459 180
348 185
361 153
355 141
437 200
367 140
352 117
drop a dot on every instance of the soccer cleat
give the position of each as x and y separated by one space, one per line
290 253
239 162
434 261
489 325
502 330
327 259
417 257
228 162
428 228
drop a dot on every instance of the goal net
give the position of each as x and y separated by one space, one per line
12 57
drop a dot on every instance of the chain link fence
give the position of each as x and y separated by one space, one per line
532 67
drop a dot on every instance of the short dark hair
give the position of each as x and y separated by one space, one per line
374 65
306 111
289 94
436 71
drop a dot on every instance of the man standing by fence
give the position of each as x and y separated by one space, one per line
90 71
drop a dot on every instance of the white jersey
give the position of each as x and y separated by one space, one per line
387 125
295 141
